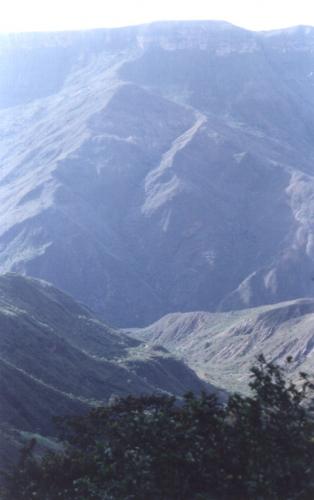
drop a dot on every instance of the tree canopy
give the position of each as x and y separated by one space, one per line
254 447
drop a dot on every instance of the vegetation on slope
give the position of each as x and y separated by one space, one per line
57 358
260 446
222 347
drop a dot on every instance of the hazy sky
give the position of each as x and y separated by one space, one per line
43 15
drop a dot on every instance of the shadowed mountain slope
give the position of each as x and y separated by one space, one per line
57 358
166 167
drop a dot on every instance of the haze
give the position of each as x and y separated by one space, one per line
48 15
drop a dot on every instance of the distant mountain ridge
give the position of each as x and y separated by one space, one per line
166 167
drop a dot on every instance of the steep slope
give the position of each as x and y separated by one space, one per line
57 358
168 167
222 347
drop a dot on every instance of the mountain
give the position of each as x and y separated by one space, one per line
165 167
222 347
56 358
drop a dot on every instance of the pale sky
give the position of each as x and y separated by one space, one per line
50 15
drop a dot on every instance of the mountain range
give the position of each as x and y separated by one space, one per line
159 168
158 179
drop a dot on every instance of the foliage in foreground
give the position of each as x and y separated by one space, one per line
258 447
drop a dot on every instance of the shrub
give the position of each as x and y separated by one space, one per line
257 447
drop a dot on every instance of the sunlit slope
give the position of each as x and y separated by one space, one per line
222 347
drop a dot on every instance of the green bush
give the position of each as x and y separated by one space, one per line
257 447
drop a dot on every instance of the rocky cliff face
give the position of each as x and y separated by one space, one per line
159 168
